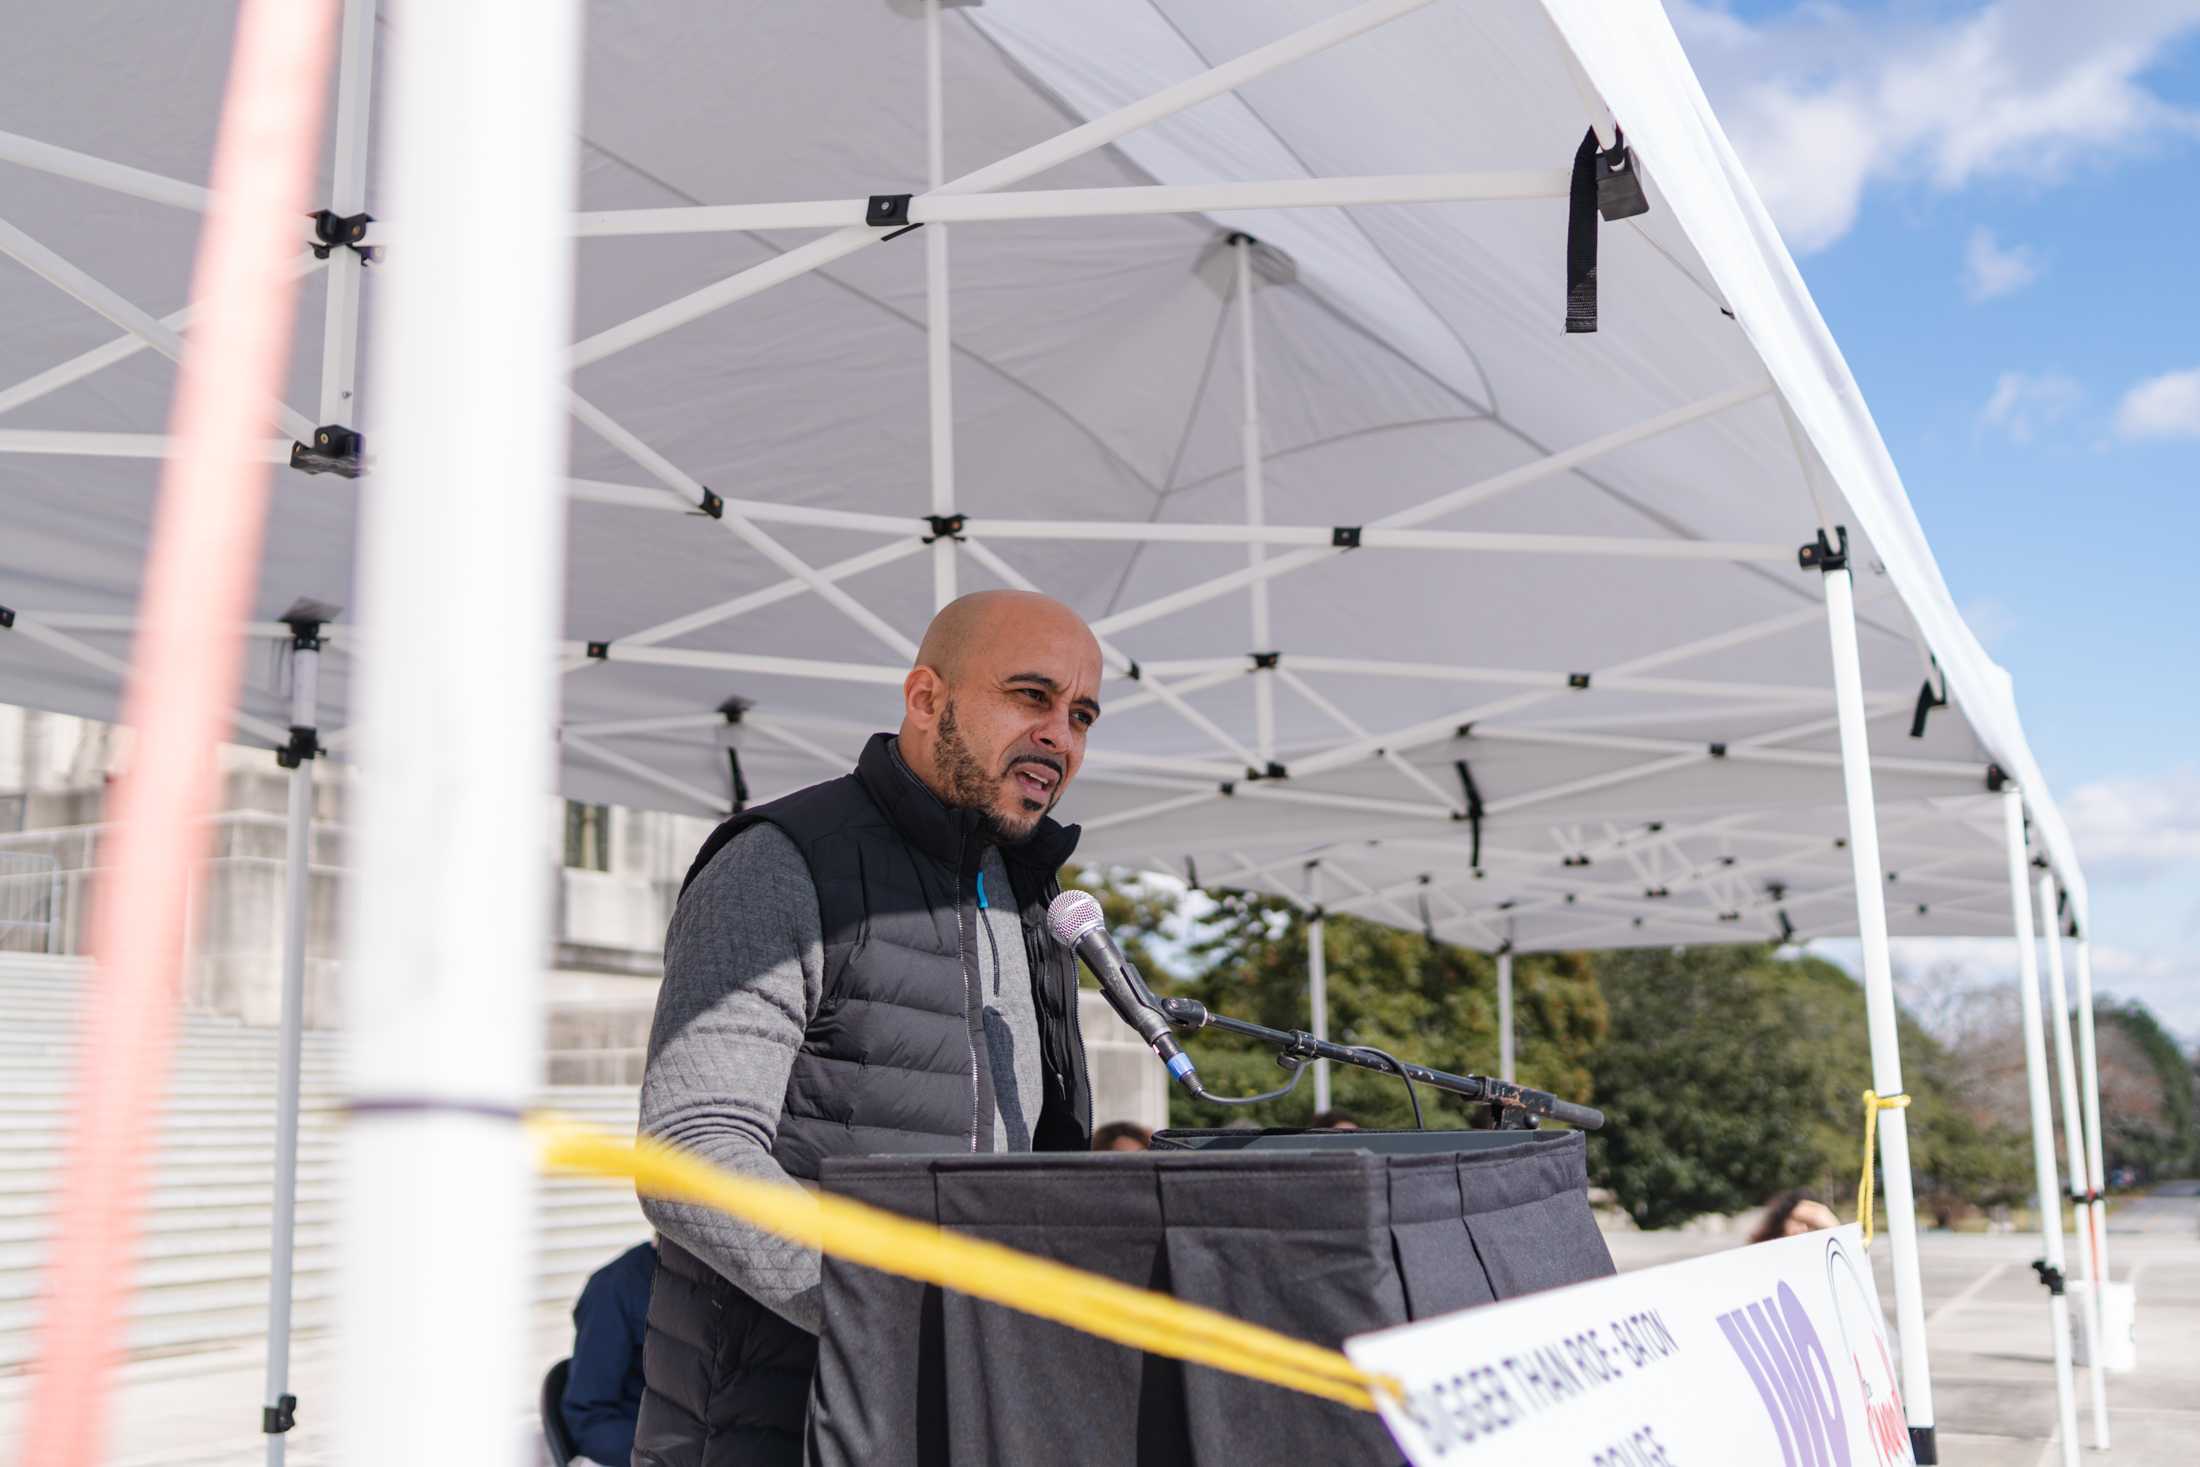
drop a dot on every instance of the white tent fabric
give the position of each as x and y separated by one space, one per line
1405 352
1501 627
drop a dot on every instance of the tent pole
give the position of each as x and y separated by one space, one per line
2089 1079
1879 1009
305 676
2043 1126
939 336
460 587
347 196
102 173
1256 514
1317 977
1122 201
2066 1082
1535 471
70 279
1505 1010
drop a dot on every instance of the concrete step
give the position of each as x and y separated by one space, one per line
177 1203
159 1275
236 1314
249 1229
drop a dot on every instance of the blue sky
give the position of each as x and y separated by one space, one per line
1997 207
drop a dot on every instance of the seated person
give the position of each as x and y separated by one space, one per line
1335 1120
603 1384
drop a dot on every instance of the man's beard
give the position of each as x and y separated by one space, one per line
970 786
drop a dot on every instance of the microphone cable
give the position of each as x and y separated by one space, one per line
1398 1065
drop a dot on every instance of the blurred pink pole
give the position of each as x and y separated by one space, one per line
184 676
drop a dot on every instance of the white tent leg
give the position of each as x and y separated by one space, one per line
347 196
2043 1125
305 674
939 336
460 559
2066 1081
1879 1011
1256 513
1505 1011
2089 1080
1317 978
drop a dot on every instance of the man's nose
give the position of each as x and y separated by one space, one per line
1053 731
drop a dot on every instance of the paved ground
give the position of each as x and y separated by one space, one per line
1987 1324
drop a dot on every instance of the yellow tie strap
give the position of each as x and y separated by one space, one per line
1874 1103
893 1244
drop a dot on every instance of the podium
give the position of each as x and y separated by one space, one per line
1318 1243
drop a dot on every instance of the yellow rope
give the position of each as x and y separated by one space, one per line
893 1244
1874 1103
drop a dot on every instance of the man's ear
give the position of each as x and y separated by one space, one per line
923 695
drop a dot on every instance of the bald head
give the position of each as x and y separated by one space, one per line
995 711
985 617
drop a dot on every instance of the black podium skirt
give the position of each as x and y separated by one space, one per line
1316 1245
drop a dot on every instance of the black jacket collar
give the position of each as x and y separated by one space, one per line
947 835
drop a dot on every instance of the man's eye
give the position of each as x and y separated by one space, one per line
1084 720
1036 693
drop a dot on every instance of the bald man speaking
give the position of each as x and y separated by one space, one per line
863 967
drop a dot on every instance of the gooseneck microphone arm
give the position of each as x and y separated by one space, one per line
1298 1046
1074 918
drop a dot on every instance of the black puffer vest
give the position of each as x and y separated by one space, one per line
894 1061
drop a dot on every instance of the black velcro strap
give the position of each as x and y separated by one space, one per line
2052 1277
1928 698
1581 238
1474 809
740 785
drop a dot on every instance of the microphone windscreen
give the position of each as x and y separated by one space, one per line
1073 914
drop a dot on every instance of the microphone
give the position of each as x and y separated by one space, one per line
1074 919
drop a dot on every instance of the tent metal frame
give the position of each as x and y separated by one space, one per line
978 197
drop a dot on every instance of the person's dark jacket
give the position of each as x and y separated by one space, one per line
603 1382
893 1062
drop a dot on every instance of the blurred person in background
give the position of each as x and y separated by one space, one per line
603 1382
1792 1213
1122 1136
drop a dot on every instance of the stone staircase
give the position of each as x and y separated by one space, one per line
202 1262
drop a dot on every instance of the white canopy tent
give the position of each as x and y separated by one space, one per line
1441 616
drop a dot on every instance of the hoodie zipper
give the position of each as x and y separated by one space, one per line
973 997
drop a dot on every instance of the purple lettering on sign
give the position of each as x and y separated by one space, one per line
1817 1371
1787 1378
1732 1326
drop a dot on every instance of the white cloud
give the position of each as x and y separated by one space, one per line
2136 829
1828 99
2025 402
2167 406
1989 270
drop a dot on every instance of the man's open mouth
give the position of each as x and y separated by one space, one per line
1035 781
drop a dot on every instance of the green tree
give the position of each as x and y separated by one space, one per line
1709 1106
2148 1120
1732 1075
1388 988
